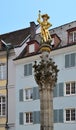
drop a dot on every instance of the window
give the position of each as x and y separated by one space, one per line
70 115
31 48
70 88
72 37
28 69
2 71
28 94
2 106
70 60
28 117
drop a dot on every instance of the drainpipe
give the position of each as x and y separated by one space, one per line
6 126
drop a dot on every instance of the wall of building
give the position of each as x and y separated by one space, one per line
63 101
11 91
25 82
2 93
60 102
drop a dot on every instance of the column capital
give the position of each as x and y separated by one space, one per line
45 73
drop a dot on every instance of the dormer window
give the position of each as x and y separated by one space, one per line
55 40
31 48
72 36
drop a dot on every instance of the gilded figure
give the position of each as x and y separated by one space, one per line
45 25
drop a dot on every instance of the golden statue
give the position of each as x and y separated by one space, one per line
45 25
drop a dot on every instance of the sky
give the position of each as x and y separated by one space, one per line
17 14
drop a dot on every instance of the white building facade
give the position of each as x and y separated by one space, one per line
27 92
23 92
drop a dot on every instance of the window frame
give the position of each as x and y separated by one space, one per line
31 48
29 118
27 72
2 71
69 55
70 93
70 88
30 92
70 115
1 104
73 36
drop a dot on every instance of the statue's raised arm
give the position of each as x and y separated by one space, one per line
45 25
39 17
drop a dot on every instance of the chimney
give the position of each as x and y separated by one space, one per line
32 30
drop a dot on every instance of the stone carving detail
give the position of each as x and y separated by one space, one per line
45 73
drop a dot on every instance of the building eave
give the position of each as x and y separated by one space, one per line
56 51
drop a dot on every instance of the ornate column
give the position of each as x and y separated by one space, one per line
45 74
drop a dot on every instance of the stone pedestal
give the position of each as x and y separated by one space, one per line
46 76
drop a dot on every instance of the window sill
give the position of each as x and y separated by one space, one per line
2 79
68 68
27 76
28 100
28 124
72 122
70 95
3 116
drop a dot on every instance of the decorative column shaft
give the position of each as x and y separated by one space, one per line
46 107
46 76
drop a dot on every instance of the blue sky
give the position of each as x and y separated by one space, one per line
17 14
